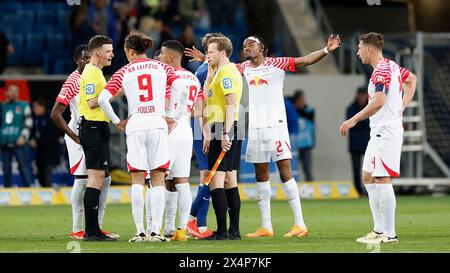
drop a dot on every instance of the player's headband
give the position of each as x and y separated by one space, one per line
253 38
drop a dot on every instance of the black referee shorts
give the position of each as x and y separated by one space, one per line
94 137
232 159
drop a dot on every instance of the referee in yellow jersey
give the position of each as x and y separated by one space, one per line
94 133
223 87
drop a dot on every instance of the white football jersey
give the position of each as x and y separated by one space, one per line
388 77
68 95
265 84
190 94
144 82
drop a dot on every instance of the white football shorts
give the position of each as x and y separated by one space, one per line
181 142
268 143
148 150
77 160
383 152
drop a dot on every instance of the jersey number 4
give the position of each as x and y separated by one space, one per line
145 84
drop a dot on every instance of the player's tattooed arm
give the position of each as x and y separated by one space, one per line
333 43
409 88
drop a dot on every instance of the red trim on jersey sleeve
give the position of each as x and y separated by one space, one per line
171 75
70 88
240 68
168 91
382 74
404 74
283 63
115 83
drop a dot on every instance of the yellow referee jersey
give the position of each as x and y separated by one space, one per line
227 80
92 83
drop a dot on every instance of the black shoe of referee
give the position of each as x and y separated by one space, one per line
235 235
217 237
99 238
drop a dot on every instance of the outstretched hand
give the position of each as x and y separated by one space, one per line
333 42
195 54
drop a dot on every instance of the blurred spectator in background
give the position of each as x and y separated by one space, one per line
224 11
101 17
188 39
45 139
79 26
260 16
193 12
154 27
15 128
6 49
168 12
126 23
306 137
358 136
292 118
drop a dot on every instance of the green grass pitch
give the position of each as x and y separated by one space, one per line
422 226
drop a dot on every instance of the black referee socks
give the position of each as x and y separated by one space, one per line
234 204
219 201
91 201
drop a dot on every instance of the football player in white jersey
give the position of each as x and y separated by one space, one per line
144 82
69 96
268 133
180 142
390 89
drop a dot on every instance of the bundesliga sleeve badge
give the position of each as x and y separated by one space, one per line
90 89
227 84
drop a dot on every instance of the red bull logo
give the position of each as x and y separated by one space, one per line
257 81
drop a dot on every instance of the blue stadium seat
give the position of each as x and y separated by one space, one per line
55 41
63 66
45 18
50 57
8 20
56 6
11 7
24 22
62 24
34 46
33 6
17 41
39 29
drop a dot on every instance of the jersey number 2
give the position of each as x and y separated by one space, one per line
145 84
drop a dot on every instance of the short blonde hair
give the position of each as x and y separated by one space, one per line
223 44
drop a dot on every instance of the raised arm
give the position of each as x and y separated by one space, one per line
333 43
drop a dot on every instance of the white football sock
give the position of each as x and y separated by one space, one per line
291 190
102 200
388 204
184 204
148 211
264 194
137 207
76 200
157 204
170 212
374 203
